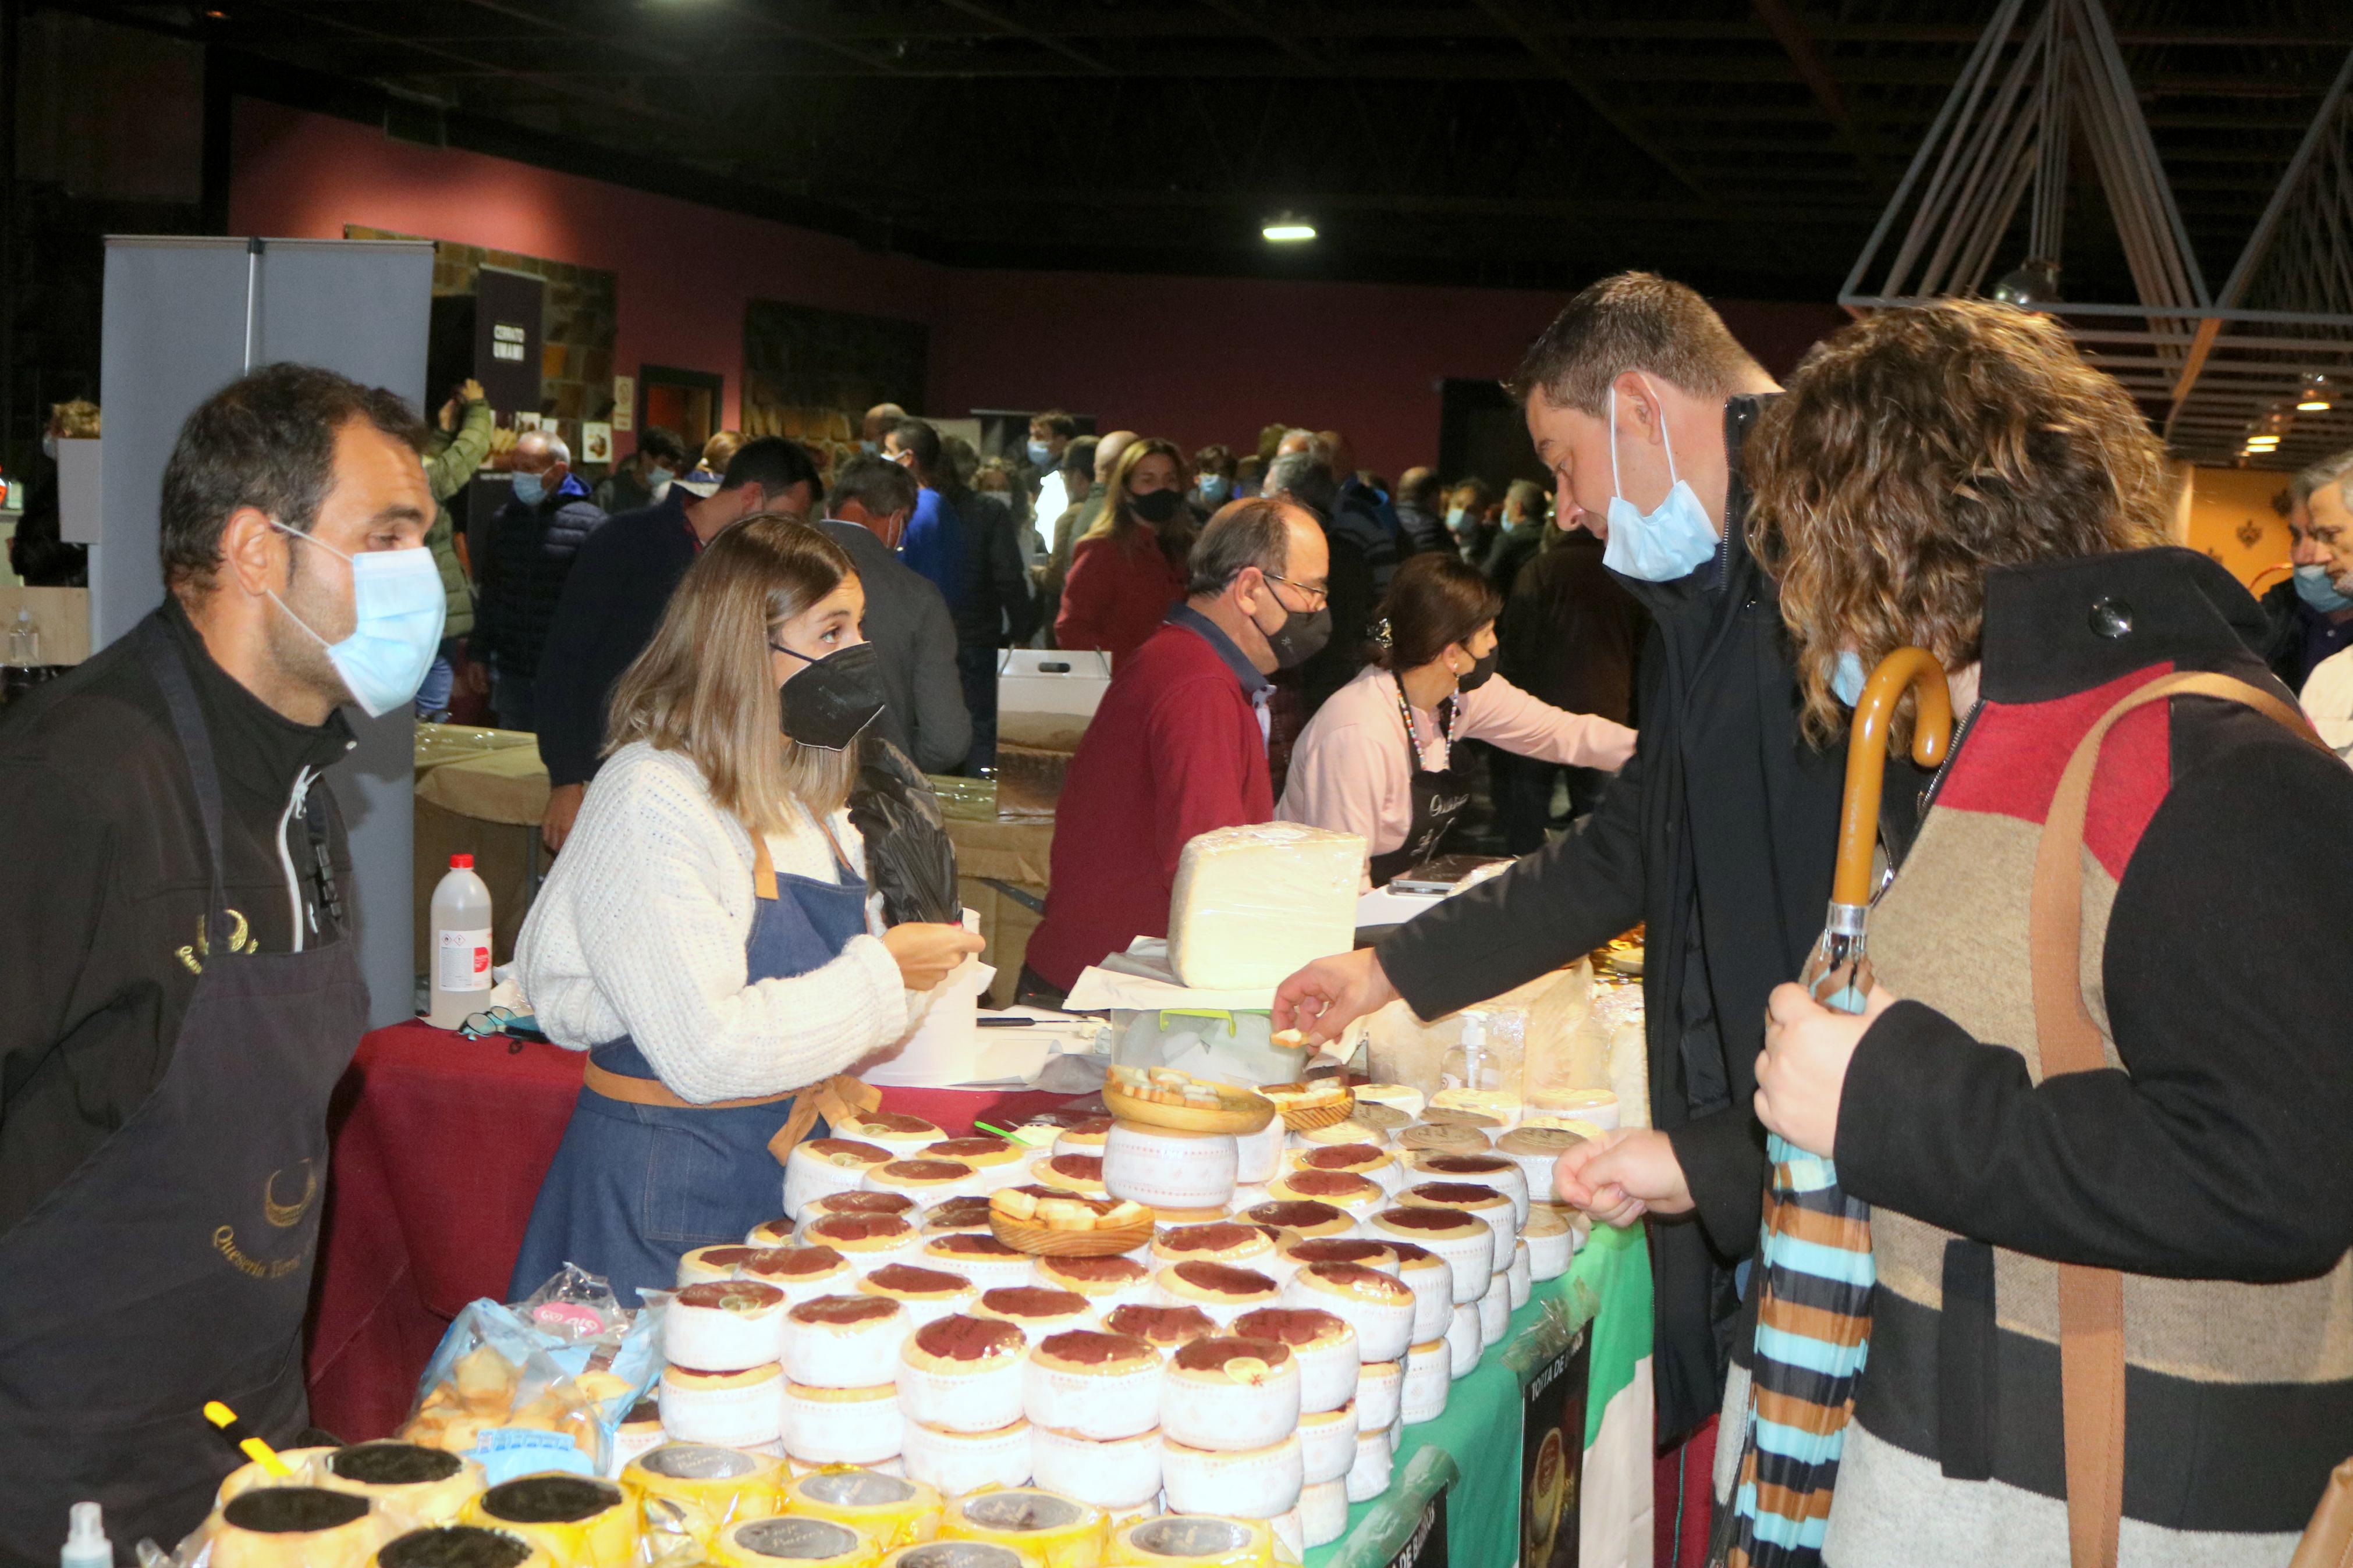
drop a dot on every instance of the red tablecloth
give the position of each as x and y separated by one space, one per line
440 1143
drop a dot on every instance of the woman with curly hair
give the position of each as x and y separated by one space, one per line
2096 1101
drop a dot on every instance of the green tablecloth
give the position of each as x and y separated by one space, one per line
1475 1447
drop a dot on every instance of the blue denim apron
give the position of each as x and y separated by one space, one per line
634 1186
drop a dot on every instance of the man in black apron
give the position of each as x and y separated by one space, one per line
182 990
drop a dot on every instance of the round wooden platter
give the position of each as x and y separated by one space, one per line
1238 1111
1044 1241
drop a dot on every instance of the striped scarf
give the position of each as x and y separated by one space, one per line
1813 1334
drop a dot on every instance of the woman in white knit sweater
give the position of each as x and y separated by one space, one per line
706 935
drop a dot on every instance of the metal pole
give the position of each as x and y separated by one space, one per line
253 302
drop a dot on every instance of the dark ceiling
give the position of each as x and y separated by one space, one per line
1745 145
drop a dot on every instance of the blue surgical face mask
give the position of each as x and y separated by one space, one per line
528 489
1658 546
658 475
1214 488
1454 515
871 448
1040 454
398 606
2315 587
1846 677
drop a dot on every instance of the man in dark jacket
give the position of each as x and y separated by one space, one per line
1363 560
2306 620
1720 833
615 596
168 1059
1523 535
534 538
1417 513
644 476
1571 635
906 620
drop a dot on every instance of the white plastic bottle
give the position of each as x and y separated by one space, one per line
461 954
86 1544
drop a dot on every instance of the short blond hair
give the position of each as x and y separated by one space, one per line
704 685
1915 451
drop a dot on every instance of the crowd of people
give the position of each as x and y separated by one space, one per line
2101 1069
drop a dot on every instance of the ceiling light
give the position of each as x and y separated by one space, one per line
1288 230
2318 397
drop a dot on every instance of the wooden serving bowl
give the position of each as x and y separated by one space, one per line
1044 1241
1238 1111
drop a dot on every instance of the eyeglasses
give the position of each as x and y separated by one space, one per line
1322 596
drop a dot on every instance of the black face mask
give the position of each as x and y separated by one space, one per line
835 698
1157 507
1301 636
1481 671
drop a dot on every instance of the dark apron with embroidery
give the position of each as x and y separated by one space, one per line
1438 797
634 1186
174 1265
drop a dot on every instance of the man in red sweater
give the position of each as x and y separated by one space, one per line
1178 746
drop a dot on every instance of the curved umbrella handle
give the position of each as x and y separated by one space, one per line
1908 669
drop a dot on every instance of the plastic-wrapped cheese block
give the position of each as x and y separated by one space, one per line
574 1519
707 1487
412 1486
296 1527
460 1546
1254 904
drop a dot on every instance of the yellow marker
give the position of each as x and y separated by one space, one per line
259 1452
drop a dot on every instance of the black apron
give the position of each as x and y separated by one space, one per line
174 1265
1438 797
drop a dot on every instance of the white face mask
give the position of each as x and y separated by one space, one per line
1664 544
399 605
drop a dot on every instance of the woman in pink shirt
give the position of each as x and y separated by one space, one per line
1377 758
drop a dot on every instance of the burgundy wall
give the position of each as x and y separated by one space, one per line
1196 360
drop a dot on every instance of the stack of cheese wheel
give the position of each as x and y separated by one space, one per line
721 1341
574 1519
821 1167
1047 1528
796 1542
460 1546
1325 1347
1169 1168
1093 1404
296 1527
706 1487
1229 1428
841 1397
960 1394
411 1486
891 1511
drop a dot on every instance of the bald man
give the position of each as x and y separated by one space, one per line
1419 513
879 421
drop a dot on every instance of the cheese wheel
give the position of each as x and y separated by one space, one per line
979 1257
890 1510
578 1522
1424 1135
711 1488
1378 1387
1522 1274
1322 1512
733 1409
896 1130
1491 1108
1598 1107
1500 1172
962 1213
842 1426
1251 1483
701 1265
459 1546
1229 1393
1108 1282
248 1476
1193 1541
770 1233
1325 1345
1258 1156
821 1167
1120 1473
641 1432
1549 1243
727 1325
927 1294
1092 1385
1401 1096
1168 1168
868 1241
801 1542
411 1486
1432 1281
1536 1150
996 1161
1428 1371
1495 1309
296 1527
802 1273
958 1462
1465 1242
956 1554
1050 1530
963 1373
1464 1341
1327 1443
1378 1305
1369 1477
1484 1198
844 1341
930 1179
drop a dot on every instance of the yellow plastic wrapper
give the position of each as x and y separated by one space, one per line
1194 1540
1054 1531
695 1490
891 1512
295 1527
412 1487
959 1554
578 1522
459 1546
797 1540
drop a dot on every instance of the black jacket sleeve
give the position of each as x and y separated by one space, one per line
1012 576
2220 1153
1565 900
574 676
2283 644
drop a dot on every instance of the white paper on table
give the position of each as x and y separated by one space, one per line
1101 990
1386 907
